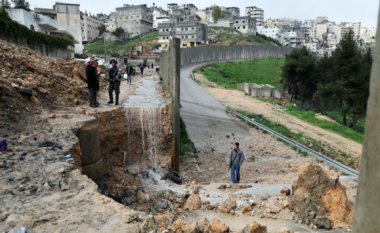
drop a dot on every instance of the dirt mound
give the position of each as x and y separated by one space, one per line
318 193
51 83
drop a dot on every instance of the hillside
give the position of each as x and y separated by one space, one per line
260 71
98 46
231 36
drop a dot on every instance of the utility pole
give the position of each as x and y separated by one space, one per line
105 44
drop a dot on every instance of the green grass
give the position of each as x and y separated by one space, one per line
185 143
260 71
230 34
314 144
98 46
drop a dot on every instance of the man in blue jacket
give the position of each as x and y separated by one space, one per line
236 160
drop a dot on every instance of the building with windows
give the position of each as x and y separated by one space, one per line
356 27
269 32
256 13
171 7
191 33
245 25
110 26
312 47
90 24
158 18
68 17
134 19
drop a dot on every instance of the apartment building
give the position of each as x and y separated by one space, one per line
234 11
171 7
134 19
245 25
90 24
256 13
191 33
308 23
312 47
110 26
269 32
319 30
356 28
320 19
189 9
68 17
158 18
340 31
288 39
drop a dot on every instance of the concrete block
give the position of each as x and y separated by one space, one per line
267 92
277 93
257 92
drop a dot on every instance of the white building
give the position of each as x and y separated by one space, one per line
312 46
356 28
90 24
269 32
256 13
157 18
68 18
320 19
245 25
289 39
319 30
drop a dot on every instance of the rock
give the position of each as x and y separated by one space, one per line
52 116
25 91
285 191
224 207
246 209
231 202
206 202
223 186
14 85
190 226
34 100
76 102
285 230
160 210
177 225
284 203
193 202
196 190
218 227
162 204
323 222
128 192
318 190
155 180
254 227
209 207
82 111
132 172
252 158
204 224
42 90
140 197
289 166
293 169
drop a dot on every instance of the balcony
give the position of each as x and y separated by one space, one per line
164 33
186 32
48 23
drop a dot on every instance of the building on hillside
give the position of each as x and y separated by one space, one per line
171 7
90 24
245 25
110 26
256 13
189 8
102 17
340 31
68 17
234 11
269 32
134 19
288 39
371 33
308 23
191 33
158 18
356 28
312 47
319 30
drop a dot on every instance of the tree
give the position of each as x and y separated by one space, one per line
217 13
298 74
102 29
21 4
6 3
118 32
345 79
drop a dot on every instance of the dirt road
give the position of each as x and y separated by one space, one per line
238 100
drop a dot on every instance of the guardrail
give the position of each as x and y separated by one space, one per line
299 146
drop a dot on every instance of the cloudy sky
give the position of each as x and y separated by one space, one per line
364 11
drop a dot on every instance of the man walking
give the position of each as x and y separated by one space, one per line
236 160
129 70
142 70
92 83
114 79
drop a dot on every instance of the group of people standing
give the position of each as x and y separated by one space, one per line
113 77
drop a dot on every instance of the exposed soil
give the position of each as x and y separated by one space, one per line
238 100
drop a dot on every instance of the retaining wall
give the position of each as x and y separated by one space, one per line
54 52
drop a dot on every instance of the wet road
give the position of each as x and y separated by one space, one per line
204 115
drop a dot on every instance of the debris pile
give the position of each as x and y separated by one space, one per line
319 198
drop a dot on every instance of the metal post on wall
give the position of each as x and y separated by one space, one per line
174 73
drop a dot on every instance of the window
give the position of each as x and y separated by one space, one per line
192 37
243 21
182 37
167 29
32 27
192 29
137 16
181 29
236 21
167 37
238 27
131 17
166 45
243 27
184 45
186 29
173 24
186 37
126 17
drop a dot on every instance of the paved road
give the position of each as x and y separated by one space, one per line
204 115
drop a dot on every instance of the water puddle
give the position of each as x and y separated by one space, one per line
238 223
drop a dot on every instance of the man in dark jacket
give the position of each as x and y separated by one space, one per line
142 70
236 160
92 83
129 70
114 79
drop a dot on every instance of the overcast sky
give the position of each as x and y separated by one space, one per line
364 11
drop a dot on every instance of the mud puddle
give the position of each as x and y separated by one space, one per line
238 223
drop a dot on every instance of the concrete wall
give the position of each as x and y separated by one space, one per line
55 52
230 53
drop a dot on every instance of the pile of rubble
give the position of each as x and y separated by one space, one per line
29 79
